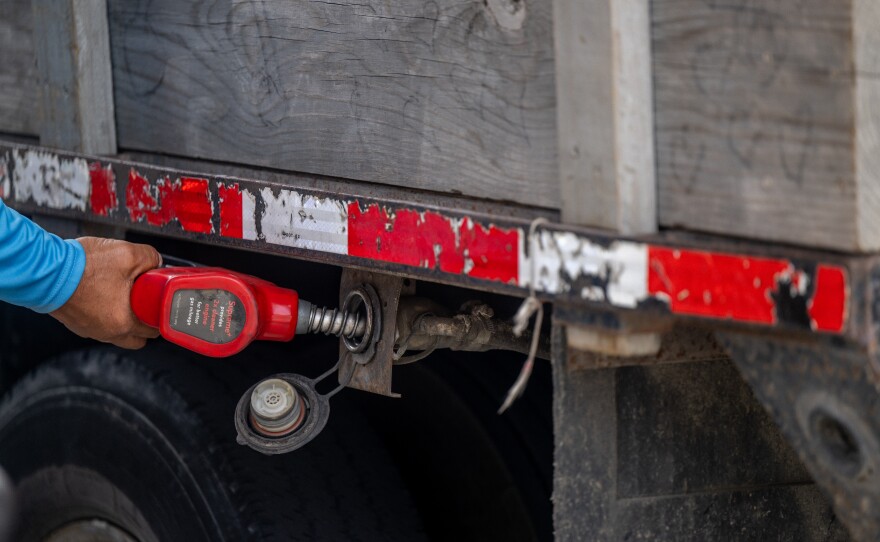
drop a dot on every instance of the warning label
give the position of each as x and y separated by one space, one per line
215 316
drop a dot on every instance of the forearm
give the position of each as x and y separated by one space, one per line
38 270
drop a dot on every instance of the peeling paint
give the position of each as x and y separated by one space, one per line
230 211
296 220
146 202
747 289
623 274
186 200
5 181
102 200
564 262
50 180
723 285
432 241
828 308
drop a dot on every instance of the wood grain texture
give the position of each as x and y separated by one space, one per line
72 48
605 114
755 119
18 70
440 95
866 38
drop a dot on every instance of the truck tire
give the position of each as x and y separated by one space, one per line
142 445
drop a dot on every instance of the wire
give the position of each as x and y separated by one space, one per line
530 305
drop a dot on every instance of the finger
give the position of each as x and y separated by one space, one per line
130 342
134 326
145 331
146 257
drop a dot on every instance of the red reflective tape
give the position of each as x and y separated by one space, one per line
145 202
192 205
102 196
827 309
230 211
187 200
716 285
493 252
433 241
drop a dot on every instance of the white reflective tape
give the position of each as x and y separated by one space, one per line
566 261
50 180
5 181
248 208
296 220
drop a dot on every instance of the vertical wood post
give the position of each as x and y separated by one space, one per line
72 45
605 114
866 45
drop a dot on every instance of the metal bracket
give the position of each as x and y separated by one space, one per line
372 366
613 333
822 396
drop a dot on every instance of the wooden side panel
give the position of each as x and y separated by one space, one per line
442 95
755 119
18 69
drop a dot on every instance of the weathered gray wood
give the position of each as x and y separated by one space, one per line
444 95
767 118
605 114
72 48
18 71
866 37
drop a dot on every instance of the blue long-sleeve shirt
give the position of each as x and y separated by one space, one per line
38 270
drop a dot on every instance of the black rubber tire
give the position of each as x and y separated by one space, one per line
146 442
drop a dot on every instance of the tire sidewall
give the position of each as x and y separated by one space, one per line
132 429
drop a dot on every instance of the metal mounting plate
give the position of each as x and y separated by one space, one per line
373 374
823 397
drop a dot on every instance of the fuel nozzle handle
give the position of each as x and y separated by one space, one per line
218 312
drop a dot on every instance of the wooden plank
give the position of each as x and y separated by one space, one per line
866 17
72 48
605 114
766 119
444 95
18 71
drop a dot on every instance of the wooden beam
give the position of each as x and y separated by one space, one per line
605 114
72 47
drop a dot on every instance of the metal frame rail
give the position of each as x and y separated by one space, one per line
662 277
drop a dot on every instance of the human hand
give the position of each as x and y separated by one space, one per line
100 308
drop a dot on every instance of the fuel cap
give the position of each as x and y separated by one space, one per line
276 408
281 413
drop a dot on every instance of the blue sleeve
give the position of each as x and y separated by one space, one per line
38 270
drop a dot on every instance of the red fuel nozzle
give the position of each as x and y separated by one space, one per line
214 311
